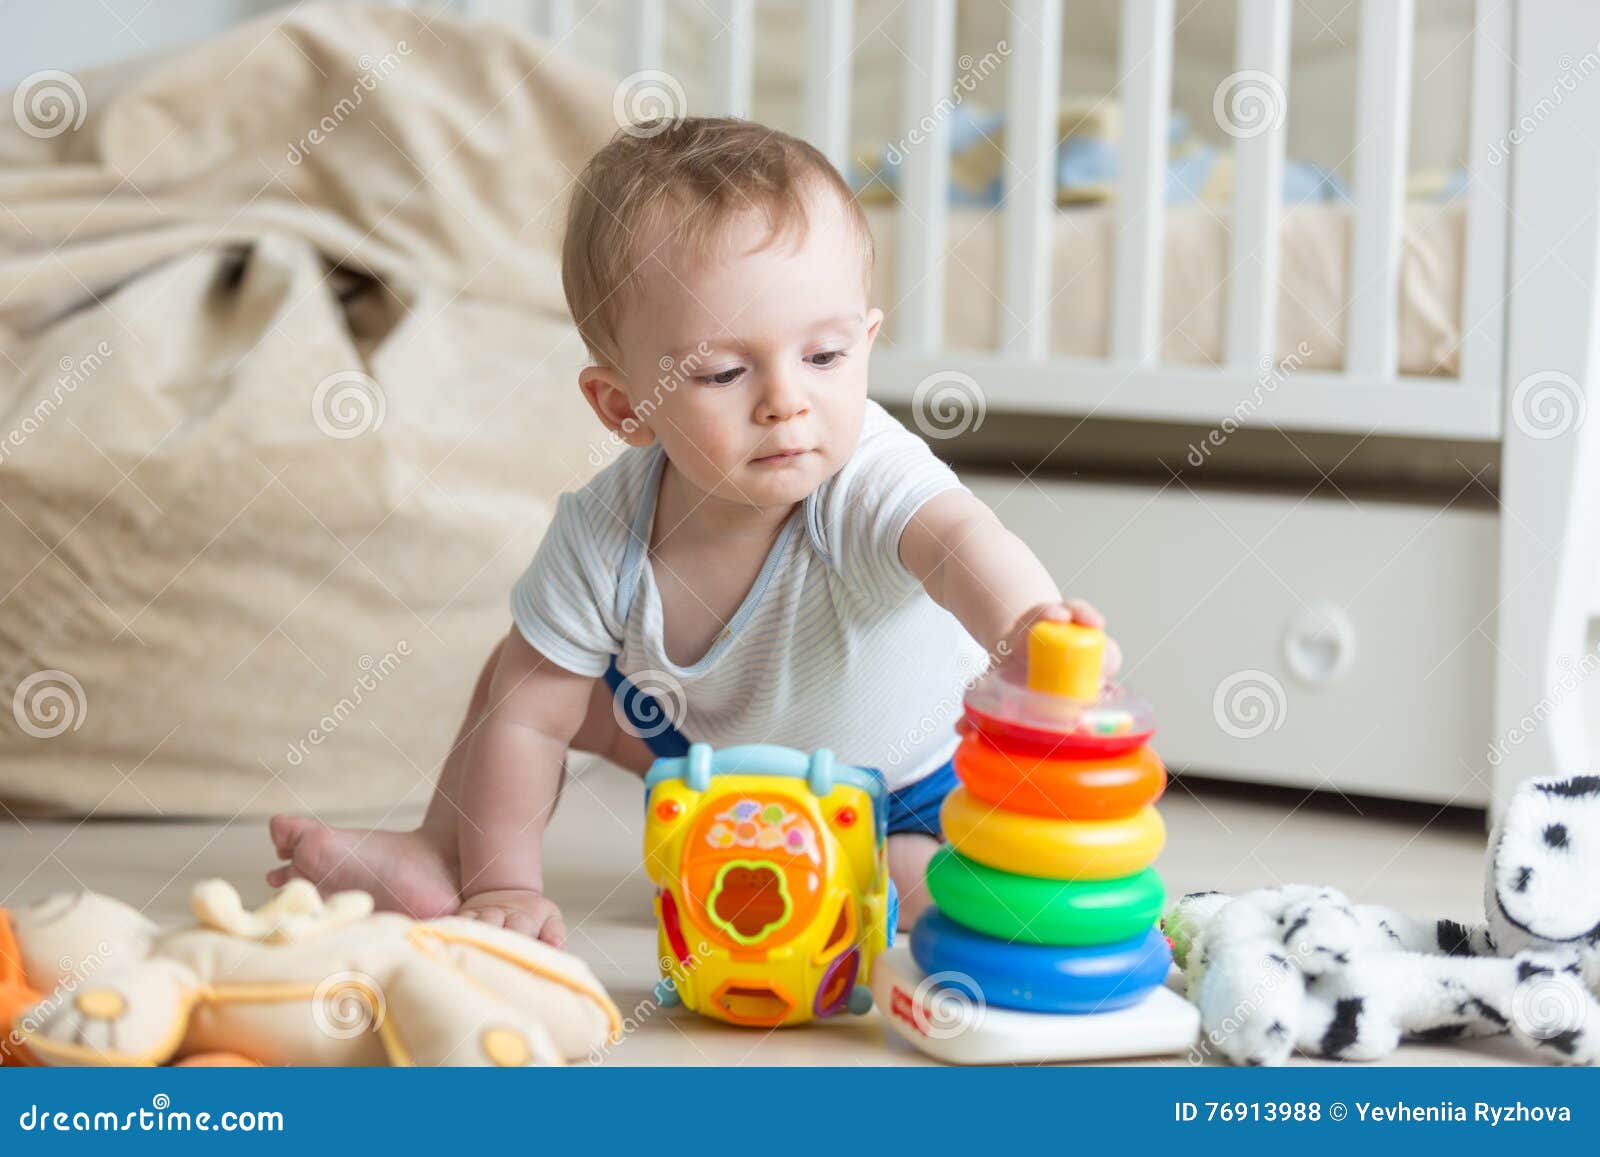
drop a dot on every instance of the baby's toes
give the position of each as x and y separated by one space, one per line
286 832
280 876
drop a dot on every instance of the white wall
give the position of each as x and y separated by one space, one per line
73 35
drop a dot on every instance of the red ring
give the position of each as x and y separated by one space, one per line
1074 789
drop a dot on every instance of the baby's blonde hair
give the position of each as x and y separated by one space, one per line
675 182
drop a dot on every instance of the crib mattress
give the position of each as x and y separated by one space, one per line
1313 276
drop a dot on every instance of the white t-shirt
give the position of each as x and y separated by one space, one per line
836 645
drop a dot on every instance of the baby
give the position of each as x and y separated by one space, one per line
773 557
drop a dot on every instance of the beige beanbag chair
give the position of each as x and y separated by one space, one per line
281 421
297 982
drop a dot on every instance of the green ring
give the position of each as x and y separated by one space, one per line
1034 910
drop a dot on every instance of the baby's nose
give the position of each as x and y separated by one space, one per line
782 399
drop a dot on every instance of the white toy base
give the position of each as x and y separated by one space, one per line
950 1026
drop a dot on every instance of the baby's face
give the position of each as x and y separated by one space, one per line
750 366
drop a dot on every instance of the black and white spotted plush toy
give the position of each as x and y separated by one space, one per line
1302 968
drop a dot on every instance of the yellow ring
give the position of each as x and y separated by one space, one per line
1030 845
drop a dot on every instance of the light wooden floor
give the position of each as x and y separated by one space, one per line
1228 839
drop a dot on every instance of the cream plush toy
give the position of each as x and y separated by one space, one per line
301 981
1301 968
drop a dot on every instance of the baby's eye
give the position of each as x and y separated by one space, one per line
827 358
722 377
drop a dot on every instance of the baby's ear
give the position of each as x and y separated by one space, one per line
874 320
603 387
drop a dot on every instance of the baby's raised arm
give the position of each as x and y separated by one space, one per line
509 787
986 576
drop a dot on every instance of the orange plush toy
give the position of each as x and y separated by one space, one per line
16 994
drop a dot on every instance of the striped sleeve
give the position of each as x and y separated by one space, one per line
564 602
888 479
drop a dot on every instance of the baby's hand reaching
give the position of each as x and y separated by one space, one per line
1014 647
531 913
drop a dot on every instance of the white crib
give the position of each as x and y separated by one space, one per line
1457 666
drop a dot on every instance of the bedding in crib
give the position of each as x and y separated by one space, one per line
1315 234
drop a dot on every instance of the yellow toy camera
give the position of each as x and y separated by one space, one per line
773 895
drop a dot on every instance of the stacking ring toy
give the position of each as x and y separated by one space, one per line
1039 978
1071 789
1059 849
1038 911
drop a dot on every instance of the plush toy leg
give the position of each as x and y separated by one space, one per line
436 1016
1553 1011
129 1016
1361 1013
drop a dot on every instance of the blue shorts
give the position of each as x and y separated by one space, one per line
914 808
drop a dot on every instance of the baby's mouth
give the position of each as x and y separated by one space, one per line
779 457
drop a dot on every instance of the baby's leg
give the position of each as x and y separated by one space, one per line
417 872
909 853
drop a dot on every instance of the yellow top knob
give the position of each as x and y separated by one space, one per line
1065 659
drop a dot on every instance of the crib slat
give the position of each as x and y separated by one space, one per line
1030 174
1145 69
639 39
552 19
1258 122
922 221
733 56
1383 119
829 28
1488 195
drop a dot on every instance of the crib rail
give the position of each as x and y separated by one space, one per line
1368 394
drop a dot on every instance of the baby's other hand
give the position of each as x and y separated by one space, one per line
531 913
1014 647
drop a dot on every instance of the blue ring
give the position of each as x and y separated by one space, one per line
1043 978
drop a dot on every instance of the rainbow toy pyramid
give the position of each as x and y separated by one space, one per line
1043 941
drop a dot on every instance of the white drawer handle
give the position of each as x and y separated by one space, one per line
1320 645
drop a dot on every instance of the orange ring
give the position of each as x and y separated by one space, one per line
1072 789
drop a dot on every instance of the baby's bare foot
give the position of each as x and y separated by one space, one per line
405 871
